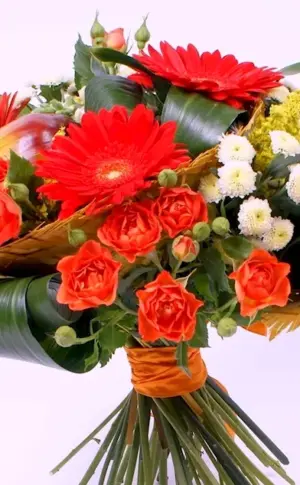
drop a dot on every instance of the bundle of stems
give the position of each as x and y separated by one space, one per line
189 433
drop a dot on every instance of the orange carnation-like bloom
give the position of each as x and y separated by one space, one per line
167 310
111 157
261 281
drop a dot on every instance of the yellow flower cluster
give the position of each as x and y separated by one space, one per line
285 117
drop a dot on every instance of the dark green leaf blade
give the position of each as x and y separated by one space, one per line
52 91
237 247
291 69
20 170
111 55
182 357
204 286
215 267
200 338
200 121
107 91
279 166
82 63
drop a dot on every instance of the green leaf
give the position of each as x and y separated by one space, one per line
82 64
112 337
215 268
105 356
204 286
291 69
200 338
20 170
182 357
107 91
111 55
237 247
200 121
23 335
92 360
279 166
52 91
282 205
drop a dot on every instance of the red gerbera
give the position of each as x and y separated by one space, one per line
220 78
9 111
109 158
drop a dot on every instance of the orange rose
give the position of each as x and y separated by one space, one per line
115 39
132 230
185 249
3 170
167 310
261 281
10 218
178 209
89 278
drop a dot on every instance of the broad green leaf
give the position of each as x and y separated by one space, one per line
237 247
200 338
82 64
22 334
108 91
279 166
204 286
20 170
51 91
200 121
182 357
105 356
291 69
112 337
111 55
96 66
283 206
216 269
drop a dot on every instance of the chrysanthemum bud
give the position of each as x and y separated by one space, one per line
76 237
221 226
167 178
19 192
142 35
227 327
185 249
65 336
56 104
97 29
201 231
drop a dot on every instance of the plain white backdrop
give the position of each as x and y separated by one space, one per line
44 413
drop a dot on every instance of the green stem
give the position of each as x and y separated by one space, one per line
144 418
222 208
117 452
154 453
140 480
177 267
123 466
133 456
153 257
163 468
90 436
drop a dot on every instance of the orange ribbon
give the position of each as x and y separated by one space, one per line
155 372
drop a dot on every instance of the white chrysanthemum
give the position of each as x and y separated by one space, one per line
78 114
279 236
236 179
283 142
280 93
255 217
209 187
293 184
235 148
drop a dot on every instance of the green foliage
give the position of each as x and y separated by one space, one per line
200 338
86 66
182 357
237 247
107 91
279 166
215 268
52 91
20 170
204 286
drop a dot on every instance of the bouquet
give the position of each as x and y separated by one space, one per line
139 206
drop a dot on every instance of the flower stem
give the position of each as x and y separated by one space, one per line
133 456
163 468
144 418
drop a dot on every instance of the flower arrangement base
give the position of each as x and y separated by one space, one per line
148 434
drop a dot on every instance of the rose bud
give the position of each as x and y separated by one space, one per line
227 327
142 35
65 336
97 29
167 178
116 40
185 249
221 226
201 231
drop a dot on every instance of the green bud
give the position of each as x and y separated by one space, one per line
227 327
98 42
19 192
201 231
65 336
97 29
47 109
56 104
76 237
167 178
221 226
72 89
142 35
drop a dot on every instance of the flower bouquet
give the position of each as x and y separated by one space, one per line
139 208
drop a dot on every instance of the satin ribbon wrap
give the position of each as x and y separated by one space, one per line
155 373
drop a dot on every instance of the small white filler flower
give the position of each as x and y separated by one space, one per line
235 148
236 179
283 142
255 217
209 188
279 236
293 184
280 93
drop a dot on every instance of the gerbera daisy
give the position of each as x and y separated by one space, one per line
10 108
220 78
112 156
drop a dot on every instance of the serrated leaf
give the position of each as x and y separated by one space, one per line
20 170
204 287
51 91
200 338
215 268
112 337
200 120
182 357
108 91
105 356
82 64
237 247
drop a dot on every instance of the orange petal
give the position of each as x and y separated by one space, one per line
258 327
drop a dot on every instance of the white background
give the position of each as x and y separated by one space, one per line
44 413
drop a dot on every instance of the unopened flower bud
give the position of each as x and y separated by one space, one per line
76 237
142 35
56 104
221 226
167 178
201 231
65 336
227 327
185 249
19 192
97 29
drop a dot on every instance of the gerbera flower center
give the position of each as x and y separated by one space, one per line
113 170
